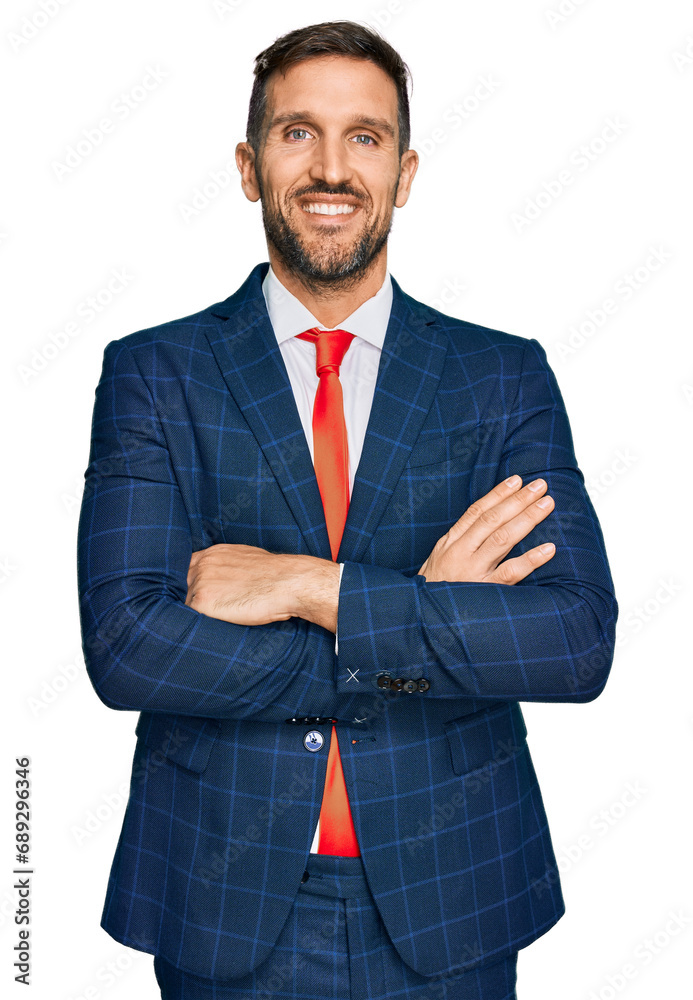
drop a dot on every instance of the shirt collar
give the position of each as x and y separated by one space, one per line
290 317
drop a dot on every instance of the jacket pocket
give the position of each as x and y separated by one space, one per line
185 740
486 739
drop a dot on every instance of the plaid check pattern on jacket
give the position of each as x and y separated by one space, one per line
196 440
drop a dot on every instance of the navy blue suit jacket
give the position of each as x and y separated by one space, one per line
196 440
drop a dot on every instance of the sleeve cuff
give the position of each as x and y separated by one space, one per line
336 634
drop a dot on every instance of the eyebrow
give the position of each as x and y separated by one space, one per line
379 124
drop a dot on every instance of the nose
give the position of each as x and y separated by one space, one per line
331 162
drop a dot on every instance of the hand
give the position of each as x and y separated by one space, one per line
474 546
247 585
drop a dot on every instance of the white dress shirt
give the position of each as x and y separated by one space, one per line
357 374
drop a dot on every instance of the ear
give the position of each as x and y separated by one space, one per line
408 167
245 161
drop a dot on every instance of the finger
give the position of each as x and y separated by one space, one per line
192 566
513 570
494 518
506 535
495 496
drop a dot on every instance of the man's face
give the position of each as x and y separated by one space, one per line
330 146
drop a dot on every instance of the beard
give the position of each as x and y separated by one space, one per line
327 261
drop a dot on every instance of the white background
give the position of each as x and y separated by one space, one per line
556 79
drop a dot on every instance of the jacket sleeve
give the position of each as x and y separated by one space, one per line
548 638
144 649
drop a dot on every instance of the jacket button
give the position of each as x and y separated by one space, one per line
411 686
384 681
397 684
313 740
424 685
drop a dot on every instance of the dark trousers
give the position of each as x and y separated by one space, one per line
334 946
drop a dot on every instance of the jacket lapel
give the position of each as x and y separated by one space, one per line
410 368
251 363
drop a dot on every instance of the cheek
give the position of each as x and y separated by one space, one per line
278 207
383 199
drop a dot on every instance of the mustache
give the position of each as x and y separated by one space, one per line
344 190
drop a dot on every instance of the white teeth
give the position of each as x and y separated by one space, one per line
322 208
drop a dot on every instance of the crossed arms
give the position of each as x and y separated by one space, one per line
246 585
153 639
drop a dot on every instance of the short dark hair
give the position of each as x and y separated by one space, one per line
330 37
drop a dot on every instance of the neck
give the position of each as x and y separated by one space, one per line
331 304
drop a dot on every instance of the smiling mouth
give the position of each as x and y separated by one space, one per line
323 208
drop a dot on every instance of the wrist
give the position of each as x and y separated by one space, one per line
314 590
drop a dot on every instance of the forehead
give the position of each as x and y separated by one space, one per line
333 85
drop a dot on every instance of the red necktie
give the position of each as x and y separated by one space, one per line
331 461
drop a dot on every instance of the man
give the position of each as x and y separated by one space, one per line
313 554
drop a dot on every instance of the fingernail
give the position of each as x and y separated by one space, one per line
547 547
512 481
544 502
536 485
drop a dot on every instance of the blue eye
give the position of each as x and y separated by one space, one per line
364 136
294 130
